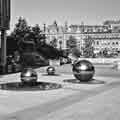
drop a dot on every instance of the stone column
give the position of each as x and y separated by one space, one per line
3 50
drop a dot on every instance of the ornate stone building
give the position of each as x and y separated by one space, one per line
106 36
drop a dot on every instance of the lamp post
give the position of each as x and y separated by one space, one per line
60 43
44 35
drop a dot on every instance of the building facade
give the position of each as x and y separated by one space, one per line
106 36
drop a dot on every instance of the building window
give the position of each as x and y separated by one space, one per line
116 43
97 42
113 43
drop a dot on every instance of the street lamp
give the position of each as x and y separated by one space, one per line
60 43
44 35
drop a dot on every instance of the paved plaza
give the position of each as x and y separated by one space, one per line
96 100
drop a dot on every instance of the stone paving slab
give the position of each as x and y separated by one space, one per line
13 101
100 107
60 78
43 110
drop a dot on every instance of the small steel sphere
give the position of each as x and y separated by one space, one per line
28 75
83 70
50 70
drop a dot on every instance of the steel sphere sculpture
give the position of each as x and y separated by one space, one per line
28 76
50 70
83 70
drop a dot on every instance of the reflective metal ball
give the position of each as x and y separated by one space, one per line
50 70
28 75
83 70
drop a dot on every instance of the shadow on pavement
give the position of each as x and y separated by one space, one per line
19 86
50 75
93 81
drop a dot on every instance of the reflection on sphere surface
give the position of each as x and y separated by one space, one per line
83 70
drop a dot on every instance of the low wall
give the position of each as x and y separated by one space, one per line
102 60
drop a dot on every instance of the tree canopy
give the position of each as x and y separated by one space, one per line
88 49
26 38
71 42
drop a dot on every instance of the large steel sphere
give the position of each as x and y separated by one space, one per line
83 70
28 75
50 70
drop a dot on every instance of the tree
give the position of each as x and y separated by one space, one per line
76 52
49 52
53 42
36 34
11 45
71 42
105 52
88 49
21 30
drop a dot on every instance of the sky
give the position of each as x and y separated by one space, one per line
91 12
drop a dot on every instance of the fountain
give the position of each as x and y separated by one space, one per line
29 82
50 70
28 78
83 70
